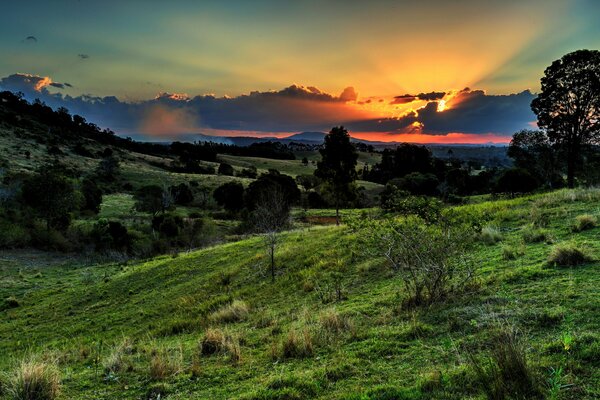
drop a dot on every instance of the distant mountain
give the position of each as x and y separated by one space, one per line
308 136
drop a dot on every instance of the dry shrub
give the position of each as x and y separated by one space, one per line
237 311
34 380
568 255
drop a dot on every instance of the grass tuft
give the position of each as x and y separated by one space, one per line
237 311
34 380
568 255
490 235
584 222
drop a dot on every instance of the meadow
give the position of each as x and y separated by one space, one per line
210 324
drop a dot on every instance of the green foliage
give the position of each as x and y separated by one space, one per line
430 259
230 195
398 201
338 165
153 199
490 235
536 235
225 169
51 196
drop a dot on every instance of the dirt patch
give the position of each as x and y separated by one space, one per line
315 220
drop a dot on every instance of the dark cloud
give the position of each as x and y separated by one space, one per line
30 39
474 111
83 56
349 94
431 96
295 108
403 99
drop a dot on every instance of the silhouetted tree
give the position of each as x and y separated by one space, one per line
51 196
532 150
270 183
568 106
153 199
516 180
182 194
338 167
230 195
225 169
92 196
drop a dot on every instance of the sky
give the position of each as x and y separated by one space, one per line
422 71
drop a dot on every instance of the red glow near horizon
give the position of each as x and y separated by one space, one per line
421 138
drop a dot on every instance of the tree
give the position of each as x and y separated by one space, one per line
153 199
270 216
304 161
270 183
225 169
338 166
230 195
51 196
532 150
182 194
516 180
568 106
92 196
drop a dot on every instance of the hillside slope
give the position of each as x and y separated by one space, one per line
133 330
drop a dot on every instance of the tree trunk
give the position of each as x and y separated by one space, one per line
337 212
272 265
571 161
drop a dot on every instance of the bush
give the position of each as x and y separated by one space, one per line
234 312
490 235
584 222
431 260
34 380
13 235
568 255
395 200
117 359
225 169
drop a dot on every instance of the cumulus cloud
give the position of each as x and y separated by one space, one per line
292 109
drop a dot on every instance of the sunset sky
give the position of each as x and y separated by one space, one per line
421 71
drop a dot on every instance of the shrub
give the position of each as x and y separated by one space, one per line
505 373
225 169
568 255
536 235
431 260
34 380
584 222
490 235
237 311
13 235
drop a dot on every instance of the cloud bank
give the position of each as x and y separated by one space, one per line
292 109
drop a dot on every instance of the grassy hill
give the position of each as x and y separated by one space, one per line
148 329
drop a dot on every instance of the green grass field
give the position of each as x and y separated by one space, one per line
132 330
